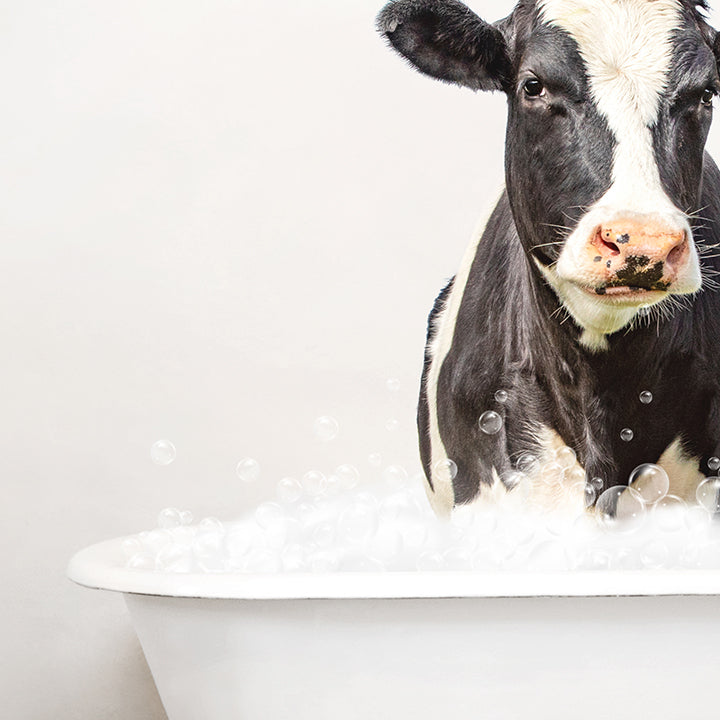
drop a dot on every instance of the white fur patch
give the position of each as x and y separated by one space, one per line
626 46
442 498
683 471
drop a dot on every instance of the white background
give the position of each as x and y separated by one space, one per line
219 221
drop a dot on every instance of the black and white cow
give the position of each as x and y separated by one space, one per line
592 281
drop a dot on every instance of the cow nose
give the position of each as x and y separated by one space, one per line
641 251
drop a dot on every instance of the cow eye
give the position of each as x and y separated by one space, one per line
707 96
533 87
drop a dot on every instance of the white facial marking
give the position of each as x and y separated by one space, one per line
626 46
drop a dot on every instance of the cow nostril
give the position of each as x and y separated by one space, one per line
612 247
677 253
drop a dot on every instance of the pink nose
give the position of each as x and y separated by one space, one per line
639 251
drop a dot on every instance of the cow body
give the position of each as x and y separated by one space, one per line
592 280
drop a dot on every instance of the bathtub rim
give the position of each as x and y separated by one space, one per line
102 567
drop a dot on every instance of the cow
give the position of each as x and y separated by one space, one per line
584 320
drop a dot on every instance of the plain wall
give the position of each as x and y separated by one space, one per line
220 220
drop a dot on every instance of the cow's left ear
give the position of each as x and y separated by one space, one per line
448 41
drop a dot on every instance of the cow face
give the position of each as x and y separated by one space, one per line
610 103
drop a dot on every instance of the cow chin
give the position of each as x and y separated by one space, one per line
602 314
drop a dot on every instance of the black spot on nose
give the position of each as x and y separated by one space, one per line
622 239
598 259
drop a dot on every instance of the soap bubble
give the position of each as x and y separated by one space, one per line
445 468
655 555
326 428
293 558
186 517
324 561
430 561
392 425
208 551
395 476
155 540
627 435
527 463
248 470
360 563
348 476
169 518
175 558
501 396
132 546
552 473
598 483
141 561
650 481
262 561
646 397
708 494
490 422
162 452
357 523
669 513
268 514
620 508
714 463
289 490
375 459
566 457
238 542
458 559
393 385
323 535
314 483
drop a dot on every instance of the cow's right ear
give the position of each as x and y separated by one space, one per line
448 41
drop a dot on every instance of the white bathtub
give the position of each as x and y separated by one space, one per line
461 646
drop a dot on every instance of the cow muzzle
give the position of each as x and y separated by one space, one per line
632 255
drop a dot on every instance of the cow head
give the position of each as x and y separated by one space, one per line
610 103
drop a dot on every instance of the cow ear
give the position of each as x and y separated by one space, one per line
448 41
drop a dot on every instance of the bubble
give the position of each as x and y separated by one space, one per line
375 459
175 558
669 513
211 524
323 562
708 494
348 476
169 518
141 561
162 452
323 535
430 561
552 473
655 555
262 561
393 385
357 523
186 517
598 483
501 396
314 483
650 481
588 492
360 563
490 422
527 463
627 435
238 542
395 475
566 457
445 468
155 540
620 508
289 490
248 470
268 514
714 463
458 559
132 546
326 428
392 425
208 551
292 558
646 397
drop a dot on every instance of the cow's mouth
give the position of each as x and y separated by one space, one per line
633 293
